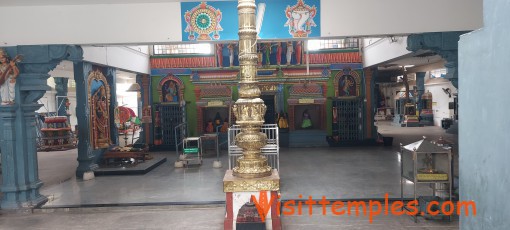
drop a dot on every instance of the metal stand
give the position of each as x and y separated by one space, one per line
411 156
271 150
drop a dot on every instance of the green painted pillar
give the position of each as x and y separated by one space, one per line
20 175
111 78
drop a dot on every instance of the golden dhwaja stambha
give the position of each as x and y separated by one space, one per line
249 109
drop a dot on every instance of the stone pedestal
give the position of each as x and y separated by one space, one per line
240 190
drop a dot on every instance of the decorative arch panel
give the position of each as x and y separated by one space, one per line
347 83
99 102
171 90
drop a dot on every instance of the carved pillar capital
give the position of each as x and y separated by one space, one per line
443 43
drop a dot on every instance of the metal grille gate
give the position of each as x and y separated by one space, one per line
171 116
350 119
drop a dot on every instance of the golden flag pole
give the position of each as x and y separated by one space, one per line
249 109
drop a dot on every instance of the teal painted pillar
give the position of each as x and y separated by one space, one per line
141 104
86 154
20 175
61 88
111 78
420 84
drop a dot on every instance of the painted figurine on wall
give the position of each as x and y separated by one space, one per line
219 54
346 86
290 50
278 53
171 92
231 50
299 46
8 74
267 53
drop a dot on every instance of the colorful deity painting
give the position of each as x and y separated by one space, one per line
300 19
99 101
347 83
202 21
170 92
347 86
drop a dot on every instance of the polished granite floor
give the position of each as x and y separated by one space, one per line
202 217
336 173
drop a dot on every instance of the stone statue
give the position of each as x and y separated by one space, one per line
290 50
278 53
307 120
231 50
102 126
267 53
219 54
8 74
299 45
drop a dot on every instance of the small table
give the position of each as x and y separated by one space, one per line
211 137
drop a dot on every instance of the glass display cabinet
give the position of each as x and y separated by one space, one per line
425 162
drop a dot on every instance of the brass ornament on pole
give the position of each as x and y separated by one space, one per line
249 109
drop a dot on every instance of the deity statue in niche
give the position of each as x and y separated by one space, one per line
209 128
347 86
282 121
101 117
224 127
171 92
307 120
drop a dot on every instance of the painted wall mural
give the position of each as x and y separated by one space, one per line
300 19
99 102
347 83
276 19
202 21
171 90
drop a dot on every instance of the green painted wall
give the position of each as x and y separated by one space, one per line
329 105
189 97
235 93
155 96
191 105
